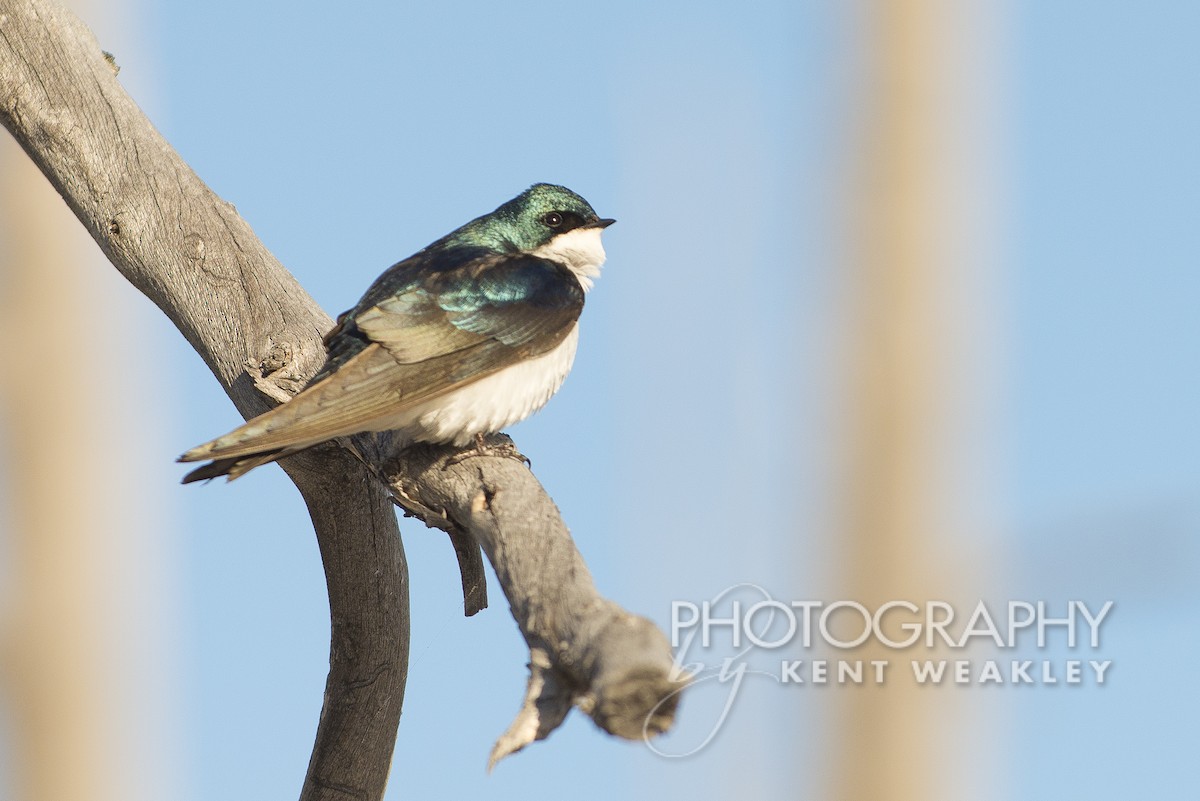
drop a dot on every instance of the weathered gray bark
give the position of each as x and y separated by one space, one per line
259 332
584 650
190 253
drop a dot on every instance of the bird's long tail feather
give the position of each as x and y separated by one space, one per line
235 466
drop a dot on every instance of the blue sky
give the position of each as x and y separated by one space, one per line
691 448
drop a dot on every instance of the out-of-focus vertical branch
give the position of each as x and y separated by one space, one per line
887 734
65 635
85 603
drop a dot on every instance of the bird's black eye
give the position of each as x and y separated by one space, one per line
553 219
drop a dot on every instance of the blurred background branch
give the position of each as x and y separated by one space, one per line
899 387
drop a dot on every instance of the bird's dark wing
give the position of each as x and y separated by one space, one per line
434 335
525 303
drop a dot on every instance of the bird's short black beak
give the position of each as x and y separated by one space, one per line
602 223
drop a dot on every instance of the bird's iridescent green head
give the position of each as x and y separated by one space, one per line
545 220
529 221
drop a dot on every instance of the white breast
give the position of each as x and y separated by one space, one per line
580 250
491 403
516 392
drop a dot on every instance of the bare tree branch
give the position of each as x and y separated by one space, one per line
259 332
584 649
190 253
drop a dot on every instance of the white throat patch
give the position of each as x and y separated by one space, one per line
580 250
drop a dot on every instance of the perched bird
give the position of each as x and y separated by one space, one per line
470 335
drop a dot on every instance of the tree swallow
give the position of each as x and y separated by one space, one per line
470 335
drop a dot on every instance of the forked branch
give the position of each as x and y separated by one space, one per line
260 333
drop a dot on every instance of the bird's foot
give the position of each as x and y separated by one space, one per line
504 449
